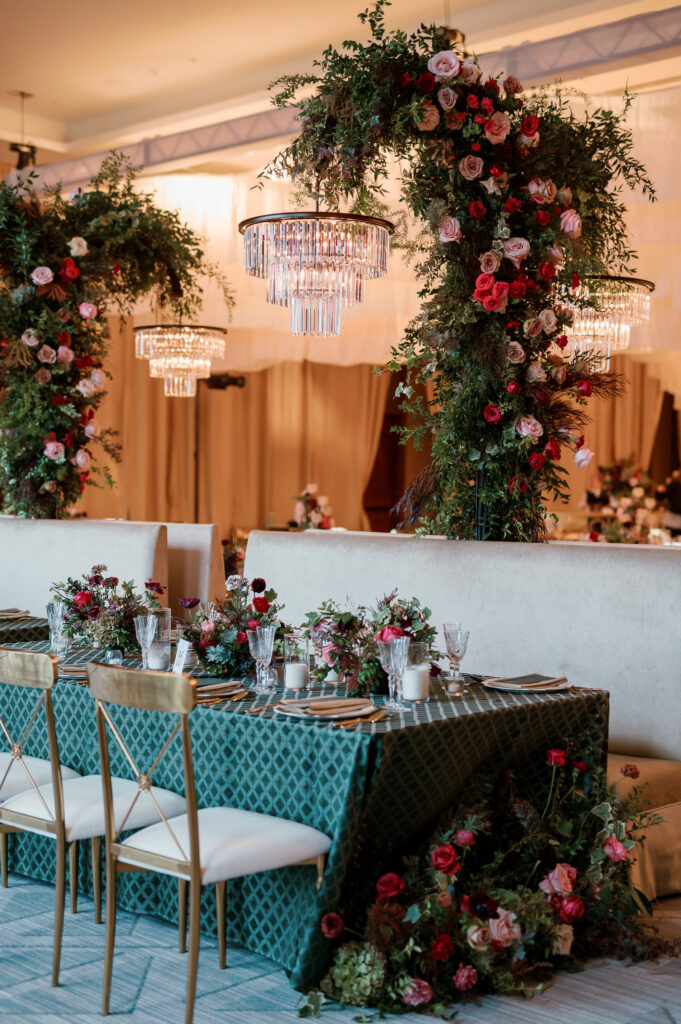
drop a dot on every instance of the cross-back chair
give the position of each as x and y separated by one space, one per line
200 846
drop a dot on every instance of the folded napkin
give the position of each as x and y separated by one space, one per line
14 613
529 682
326 705
224 686
74 671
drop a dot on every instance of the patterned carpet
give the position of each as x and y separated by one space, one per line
149 978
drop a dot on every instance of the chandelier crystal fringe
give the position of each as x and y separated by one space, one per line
604 328
316 263
180 354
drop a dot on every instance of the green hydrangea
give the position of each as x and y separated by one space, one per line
357 975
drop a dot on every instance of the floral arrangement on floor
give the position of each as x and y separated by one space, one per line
632 506
519 200
101 611
63 264
219 639
312 510
346 638
506 891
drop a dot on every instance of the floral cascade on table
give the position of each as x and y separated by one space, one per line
505 892
100 610
518 199
312 511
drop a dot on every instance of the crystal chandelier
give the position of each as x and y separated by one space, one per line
179 353
316 263
620 303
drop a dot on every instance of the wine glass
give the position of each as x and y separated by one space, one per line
456 641
399 646
383 647
261 645
145 628
55 619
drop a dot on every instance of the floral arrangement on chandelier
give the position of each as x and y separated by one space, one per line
521 200
64 263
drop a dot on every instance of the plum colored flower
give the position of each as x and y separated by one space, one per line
332 926
188 602
442 948
583 457
571 909
389 633
561 341
556 757
261 604
153 586
528 426
630 771
425 82
614 849
471 167
46 354
504 928
430 117
444 64
465 978
390 885
258 585
449 230
497 128
492 413
515 250
464 837
444 858
30 337
42 276
477 209
571 223
77 246
417 992
512 85
93 612
54 450
455 119
87 310
64 354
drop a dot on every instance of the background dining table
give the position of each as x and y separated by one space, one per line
376 789
23 630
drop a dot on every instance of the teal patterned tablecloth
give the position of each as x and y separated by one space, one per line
19 631
374 789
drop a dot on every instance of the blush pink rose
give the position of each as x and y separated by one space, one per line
516 353
465 978
571 223
560 881
46 354
512 85
564 195
77 246
469 72
450 230
43 376
504 928
207 626
532 328
478 937
42 275
542 191
446 98
98 378
86 387
430 117
548 320
471 167
489 263
528 426
54 450
389 633
87 310
464 837
91 429
82 460
30 337
613 847
497 128
64 354
417 992
583 457
444 64
515 250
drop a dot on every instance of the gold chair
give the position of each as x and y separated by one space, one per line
69 807
197 847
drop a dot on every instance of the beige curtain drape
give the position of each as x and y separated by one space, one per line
292 424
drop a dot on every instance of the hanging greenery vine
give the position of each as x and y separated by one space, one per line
520 199
63 264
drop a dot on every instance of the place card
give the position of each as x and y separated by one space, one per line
181 655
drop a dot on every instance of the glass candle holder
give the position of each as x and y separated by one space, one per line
416 679
296 662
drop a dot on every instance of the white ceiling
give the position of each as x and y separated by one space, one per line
106 74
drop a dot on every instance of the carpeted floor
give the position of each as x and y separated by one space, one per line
149 978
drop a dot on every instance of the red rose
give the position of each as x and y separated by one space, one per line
561 340
473 102
261 604
532 285
390 885
537 460
79 363
529 125
547 270
116 269
512 205
64 338
82 599
584 388
517 289
512 324
252 624
480 119
494 86
557 757
443 947
389 633
513 387
542 217
465 904
578 766
501 290
464 837
332 926
571 909
208 641
59 400
444 858
478 210
496 946
552 449
542 395
425 82
495 171
404 79
241 637
593 536
575 280
491 413
487 104
69 269
476 147
83 477
630 771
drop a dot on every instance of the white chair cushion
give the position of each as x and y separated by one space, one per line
17 780
233 843
84 805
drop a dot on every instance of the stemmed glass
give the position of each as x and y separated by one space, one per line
383 647
456 641
145 628
261 645
59 643
399 646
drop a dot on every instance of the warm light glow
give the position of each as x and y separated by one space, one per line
620 304
180 354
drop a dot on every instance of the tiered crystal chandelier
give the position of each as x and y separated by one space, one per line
316 263
179 353
604 328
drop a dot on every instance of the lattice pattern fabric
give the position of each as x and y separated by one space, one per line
374 789
23 631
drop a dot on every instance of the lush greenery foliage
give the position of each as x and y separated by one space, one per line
63 264
519 200
507 889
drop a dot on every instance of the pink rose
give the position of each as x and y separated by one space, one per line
30 337
542 191
455 119
87 311
86 387
469 72
465 978
528 426
389 633
471 167
464 837
82 460
417 992
516 353
92 429
555 254
42 275
548 320
504 928
46 354
478 937
98 379
43 376
54 450
512 86
446 98
497 128
583 457
515 250
444 64
560 881
536 374
450 230
77 246
64 354
430 117
571 223
207 626
532 328
613 847
489 263
564 195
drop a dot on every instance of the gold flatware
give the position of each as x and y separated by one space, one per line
252 711
239 696
347 723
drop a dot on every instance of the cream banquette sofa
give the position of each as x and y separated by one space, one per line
606 616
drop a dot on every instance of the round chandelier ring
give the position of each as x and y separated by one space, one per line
635 281
168 327
358 218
